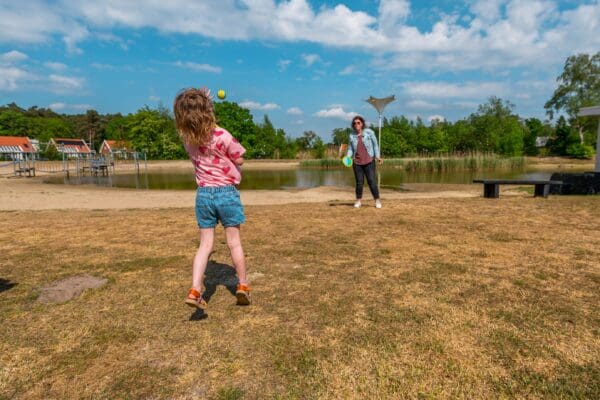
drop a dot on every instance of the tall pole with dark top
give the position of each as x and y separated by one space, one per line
379 105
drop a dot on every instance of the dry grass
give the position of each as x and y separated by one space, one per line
439 298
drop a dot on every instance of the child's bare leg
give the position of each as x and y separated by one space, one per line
237 252
207 237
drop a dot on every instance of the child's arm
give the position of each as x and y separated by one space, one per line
238 161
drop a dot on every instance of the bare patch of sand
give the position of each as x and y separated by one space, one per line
68 288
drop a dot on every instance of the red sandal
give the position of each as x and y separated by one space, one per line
243 295
194 299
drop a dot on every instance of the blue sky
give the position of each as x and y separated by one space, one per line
309 65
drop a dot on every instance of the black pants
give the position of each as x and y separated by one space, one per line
368 170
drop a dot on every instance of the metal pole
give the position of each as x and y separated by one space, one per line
379 140
379 144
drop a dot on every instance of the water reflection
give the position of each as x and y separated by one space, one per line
301 178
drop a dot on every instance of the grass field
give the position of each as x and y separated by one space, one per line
435 298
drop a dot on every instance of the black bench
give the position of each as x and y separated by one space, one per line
491 187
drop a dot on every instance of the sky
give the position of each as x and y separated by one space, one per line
307 64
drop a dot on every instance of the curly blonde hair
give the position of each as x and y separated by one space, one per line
194 116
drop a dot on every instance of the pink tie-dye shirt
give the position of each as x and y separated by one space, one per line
214 163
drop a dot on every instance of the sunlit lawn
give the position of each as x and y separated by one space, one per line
437 298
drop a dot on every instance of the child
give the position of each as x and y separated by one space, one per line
217 157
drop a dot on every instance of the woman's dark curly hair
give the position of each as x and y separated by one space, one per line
358 117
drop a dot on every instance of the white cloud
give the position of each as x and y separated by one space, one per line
436 118
111 38
336 112
487 10
422 104
101 66
153 98
350 69
64 106
392 14
294 111
253 105
12 77
468 105
31 21
496 34
61 83
283 64
12 57
440 90
56 66
198 67
310 59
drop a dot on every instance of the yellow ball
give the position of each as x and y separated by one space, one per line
221 94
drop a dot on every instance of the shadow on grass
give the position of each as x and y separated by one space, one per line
198 315
216 274
340 203
219 274
6 284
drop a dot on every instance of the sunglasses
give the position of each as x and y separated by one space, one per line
356 122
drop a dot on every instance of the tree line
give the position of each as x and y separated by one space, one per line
494 127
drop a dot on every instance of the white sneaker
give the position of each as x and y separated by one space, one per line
357 204
377 203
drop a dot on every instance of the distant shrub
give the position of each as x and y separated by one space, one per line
580 150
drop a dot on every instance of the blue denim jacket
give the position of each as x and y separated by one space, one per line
369 140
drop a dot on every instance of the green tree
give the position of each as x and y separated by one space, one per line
238 121
283 146
461 136
51 153
579 86
437 141
308 140
116 127
311 142
535 129
264 145
397 137
93 127
340 136
497 129
13 123
153 131
565 136
44 129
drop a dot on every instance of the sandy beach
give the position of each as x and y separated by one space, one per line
20 193
32 194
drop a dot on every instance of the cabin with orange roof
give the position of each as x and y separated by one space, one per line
115 148
72 148
16 147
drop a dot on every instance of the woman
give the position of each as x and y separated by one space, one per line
364 150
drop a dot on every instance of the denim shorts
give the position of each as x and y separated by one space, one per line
221 203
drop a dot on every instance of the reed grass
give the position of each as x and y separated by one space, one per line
437 163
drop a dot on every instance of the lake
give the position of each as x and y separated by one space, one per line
300 178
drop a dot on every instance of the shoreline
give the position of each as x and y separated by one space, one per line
32 194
